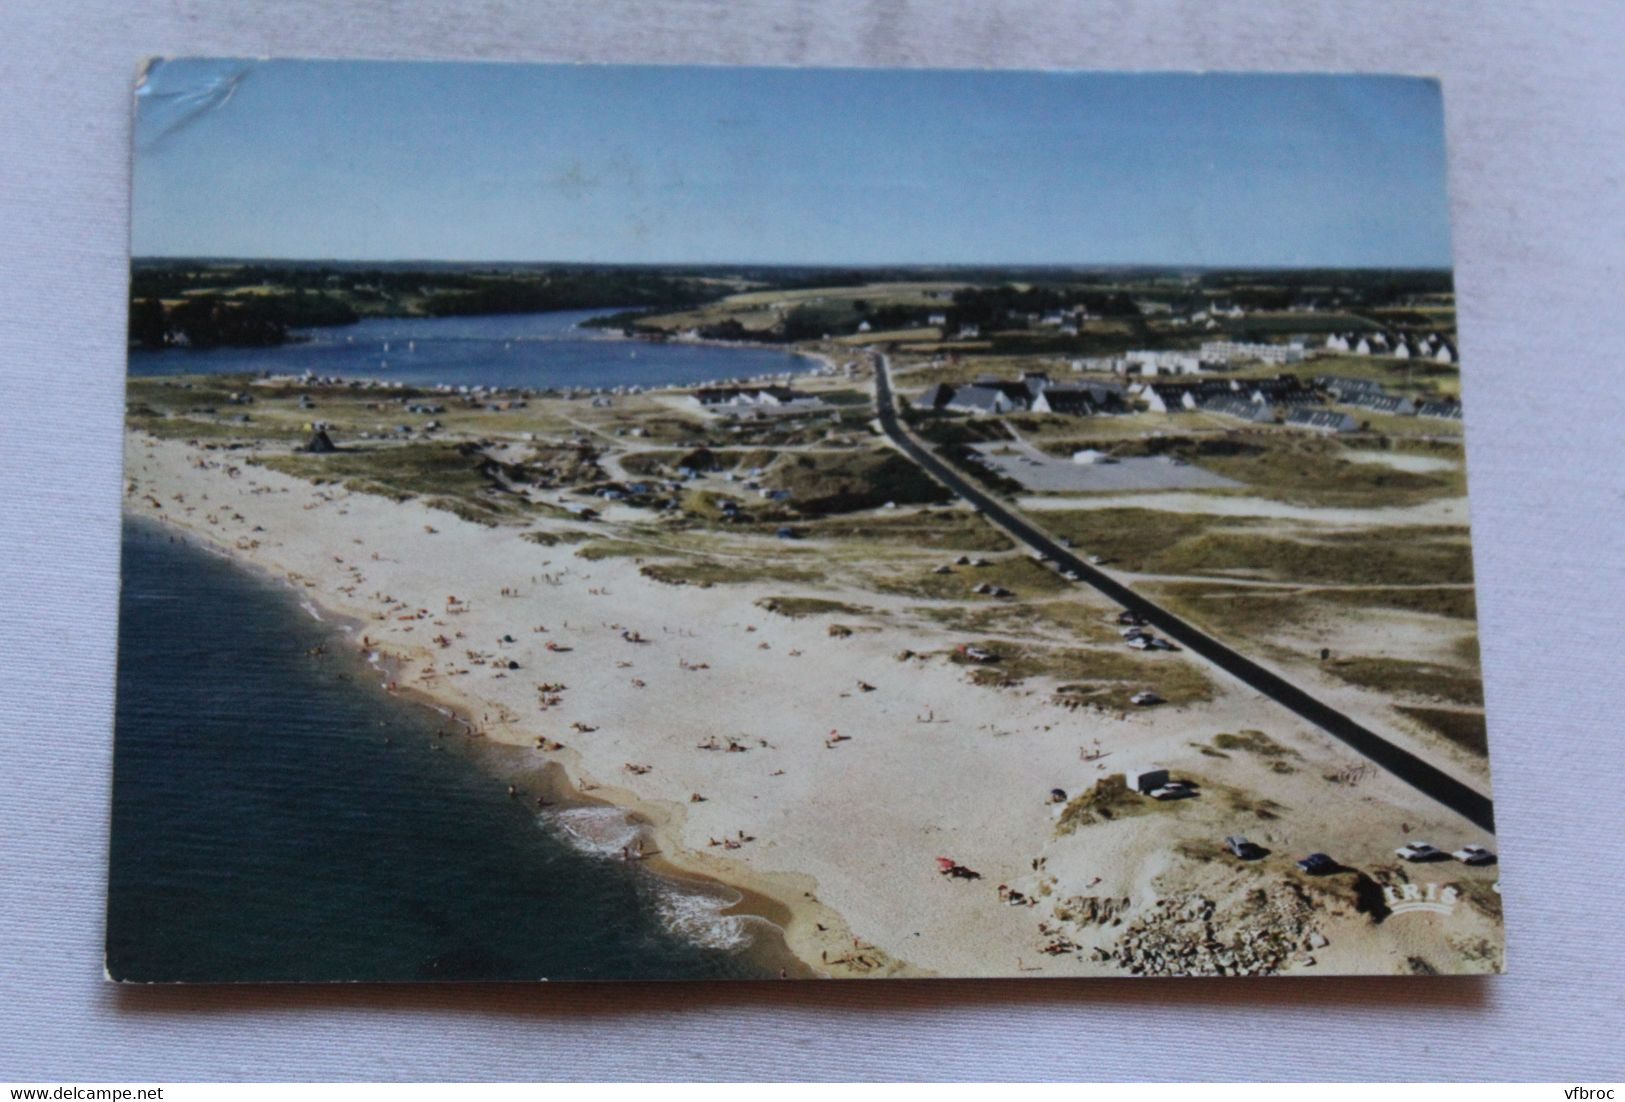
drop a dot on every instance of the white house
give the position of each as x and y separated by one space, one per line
1163 361
1164 398
980 399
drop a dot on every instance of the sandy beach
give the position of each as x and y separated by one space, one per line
821 773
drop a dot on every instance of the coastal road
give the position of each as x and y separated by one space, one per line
1434 782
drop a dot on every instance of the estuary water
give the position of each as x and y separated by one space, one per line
278 816
549 350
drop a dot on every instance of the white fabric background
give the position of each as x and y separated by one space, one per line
1533 95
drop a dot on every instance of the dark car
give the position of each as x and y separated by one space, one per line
1317 864
1242 848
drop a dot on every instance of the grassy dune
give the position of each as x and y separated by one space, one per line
450 476
1464 729
1090 675
1424 680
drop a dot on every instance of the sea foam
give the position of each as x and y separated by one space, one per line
697 917
689 911
597 831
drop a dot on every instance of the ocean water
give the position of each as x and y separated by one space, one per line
278 816
503 350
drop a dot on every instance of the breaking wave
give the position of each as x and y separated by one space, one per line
690 911
597 831
697 917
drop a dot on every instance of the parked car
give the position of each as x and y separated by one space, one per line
977 654
1242 848
1173 790
1317 864
1419 851
1474 855
1145 698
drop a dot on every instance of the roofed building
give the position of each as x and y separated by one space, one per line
1343 386
1226 351
1445 410
935 396
1283 390
1236 406
1321 420
1071 400
1380 401
981 398
721 397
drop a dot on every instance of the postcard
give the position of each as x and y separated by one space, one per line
601 522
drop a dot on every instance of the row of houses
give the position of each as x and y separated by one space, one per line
1403 346
1221 395
1369 394
1333 420
1144 361
751 397
1365 394
1230 351
1255 401
1034 391
1212 356
1320 419
1443 409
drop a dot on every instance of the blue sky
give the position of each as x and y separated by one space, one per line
460 161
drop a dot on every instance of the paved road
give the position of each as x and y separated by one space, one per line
1436 783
